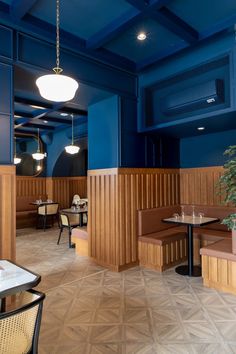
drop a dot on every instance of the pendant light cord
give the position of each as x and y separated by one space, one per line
72 116
38 141
57 69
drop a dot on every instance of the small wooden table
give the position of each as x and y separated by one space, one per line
76 211
190 221
15 278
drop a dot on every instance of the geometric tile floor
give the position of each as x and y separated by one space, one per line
90 310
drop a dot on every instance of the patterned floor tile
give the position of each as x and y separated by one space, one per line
201 332
106 334
106 349
139 348
169 332
91 310
138 332
136 315
227 330
211 348
174 349
108 316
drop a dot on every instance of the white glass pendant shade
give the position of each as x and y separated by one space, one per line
17 160
38 156
72 149
57 87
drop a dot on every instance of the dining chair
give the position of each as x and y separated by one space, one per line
20 326
46 210
69 225
76 199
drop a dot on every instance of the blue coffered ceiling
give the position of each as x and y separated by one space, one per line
107 29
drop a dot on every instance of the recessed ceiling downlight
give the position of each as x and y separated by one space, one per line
141 36
201 128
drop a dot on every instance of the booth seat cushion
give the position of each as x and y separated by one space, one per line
158 239
80 233
221 249
23 203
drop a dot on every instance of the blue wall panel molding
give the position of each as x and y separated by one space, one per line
6 109
205 150
6 43
103 134
99 75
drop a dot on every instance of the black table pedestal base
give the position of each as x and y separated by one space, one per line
183 270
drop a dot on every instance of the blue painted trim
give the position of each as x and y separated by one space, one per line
113 29
87 71
124 22
8 32
19 8
160 55
175 24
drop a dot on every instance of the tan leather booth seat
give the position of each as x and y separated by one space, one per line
79 237
26 213
160 245
219 266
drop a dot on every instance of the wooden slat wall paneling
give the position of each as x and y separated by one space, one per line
7 212
198 185
219 273
116 195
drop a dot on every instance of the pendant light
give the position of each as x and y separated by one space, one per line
16 159
38 155
72 149
56 87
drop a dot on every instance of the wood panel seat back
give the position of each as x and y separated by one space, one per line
150 220
23 203
219 212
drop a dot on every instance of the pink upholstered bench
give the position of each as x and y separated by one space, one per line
80 238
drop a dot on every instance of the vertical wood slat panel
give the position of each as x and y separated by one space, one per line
121 193
198 185
60 189
7 212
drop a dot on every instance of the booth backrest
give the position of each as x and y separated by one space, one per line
219 212
150 220
23 203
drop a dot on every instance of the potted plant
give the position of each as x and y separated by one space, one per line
227 188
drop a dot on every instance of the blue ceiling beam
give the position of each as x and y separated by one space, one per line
160 55
113 29
124 22
167 18
19 8
207 34
75 43
39 114
175 24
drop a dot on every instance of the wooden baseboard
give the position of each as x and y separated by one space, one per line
115 268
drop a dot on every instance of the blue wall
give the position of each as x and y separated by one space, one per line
205 150
103 134
58 142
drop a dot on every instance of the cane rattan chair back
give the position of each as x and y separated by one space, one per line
19 328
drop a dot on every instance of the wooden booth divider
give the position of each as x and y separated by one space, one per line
114 196
7 212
